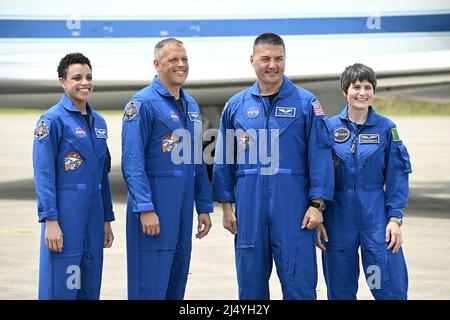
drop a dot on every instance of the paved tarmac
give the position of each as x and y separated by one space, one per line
212 273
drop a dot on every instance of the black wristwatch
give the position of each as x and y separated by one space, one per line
320 206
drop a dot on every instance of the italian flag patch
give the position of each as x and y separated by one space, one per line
395 135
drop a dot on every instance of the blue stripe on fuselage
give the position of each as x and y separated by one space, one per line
16 28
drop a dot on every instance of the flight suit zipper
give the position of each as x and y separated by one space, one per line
353 150
265 178
95 158
178 110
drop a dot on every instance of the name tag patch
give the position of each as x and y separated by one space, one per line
194 116
369 138
285 112
101 133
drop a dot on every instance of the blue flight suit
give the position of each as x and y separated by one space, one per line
158 265
71 165
371 186
270 207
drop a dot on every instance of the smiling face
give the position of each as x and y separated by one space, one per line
173 67
78 83
269 63
360 95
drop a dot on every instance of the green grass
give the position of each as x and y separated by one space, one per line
388 106
405 107
42 111
21 111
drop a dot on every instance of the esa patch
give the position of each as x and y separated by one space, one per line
244 141
369 138
101 133
131 111
285 112
79 132
318 110
41 130
72 161
253 112
169 142
194 116
395 135
341 134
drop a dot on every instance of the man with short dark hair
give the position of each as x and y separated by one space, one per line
71 163
162 192
278 203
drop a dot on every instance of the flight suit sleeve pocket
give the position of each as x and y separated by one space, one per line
404 156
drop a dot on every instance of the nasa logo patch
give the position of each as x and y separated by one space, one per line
252 112
174 117
79 132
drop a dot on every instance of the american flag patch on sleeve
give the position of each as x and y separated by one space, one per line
318 108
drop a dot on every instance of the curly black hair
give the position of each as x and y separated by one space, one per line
71 58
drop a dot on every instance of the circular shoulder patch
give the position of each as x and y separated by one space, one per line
341 134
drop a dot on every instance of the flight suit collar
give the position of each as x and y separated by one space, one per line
372 118
68 105
162 90
285 89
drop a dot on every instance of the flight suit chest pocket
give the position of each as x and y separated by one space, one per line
404 157
99 137
373 164
72 159
170 124
339 171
